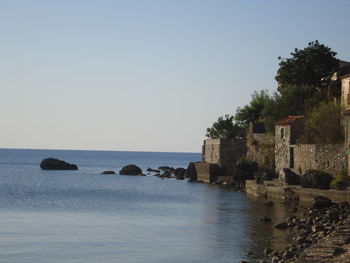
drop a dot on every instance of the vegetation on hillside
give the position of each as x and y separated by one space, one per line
301 91
323 124
224 128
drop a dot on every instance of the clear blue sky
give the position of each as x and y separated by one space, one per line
145 75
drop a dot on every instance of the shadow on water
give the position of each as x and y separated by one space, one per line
232 223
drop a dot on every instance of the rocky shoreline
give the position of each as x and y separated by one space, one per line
320 234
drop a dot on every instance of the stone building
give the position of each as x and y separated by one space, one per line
287 131
301 157
219 159
260 145
344 76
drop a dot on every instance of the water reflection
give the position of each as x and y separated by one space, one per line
231 225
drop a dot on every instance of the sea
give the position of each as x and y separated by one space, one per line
86 217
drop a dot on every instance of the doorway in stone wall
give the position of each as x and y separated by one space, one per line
291 157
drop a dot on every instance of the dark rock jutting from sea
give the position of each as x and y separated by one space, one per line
131 169
55 164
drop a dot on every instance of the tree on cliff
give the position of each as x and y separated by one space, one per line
307 66
253 111
224 128
300 86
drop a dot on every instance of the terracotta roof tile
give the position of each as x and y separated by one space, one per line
288 120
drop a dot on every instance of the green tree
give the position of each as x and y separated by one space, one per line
299 82
323 124
224 128
293 100
307 66
253 111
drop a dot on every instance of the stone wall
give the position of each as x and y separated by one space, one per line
224 152
304 157
326 157
283 192
345 84
260 146
330 157
282 146
203 172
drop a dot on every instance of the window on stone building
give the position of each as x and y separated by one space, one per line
282 133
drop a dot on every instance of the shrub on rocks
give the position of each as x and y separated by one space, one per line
341 181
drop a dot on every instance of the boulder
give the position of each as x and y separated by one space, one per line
108 172
191 172
180 173
316 179
130 169
283 225
55 164
286 176
322 202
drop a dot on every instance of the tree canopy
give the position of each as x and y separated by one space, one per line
253 111
299 82
224 128
300 90
307 66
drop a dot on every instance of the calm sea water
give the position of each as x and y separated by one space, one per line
82 216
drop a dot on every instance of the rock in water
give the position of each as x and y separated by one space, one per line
130 169
180 173
152 170
55 164
283 225
322 202
191 172
108 172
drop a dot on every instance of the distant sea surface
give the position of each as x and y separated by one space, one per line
83 216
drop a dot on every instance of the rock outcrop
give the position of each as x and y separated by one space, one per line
191 172
55 164
131 169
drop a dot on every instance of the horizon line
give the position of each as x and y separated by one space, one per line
55 149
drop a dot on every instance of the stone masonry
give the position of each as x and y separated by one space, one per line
224 152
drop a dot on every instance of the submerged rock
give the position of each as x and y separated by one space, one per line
152 170
283 225
108 172
131 169
55 164
322 202
265 219
166 174
269 203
